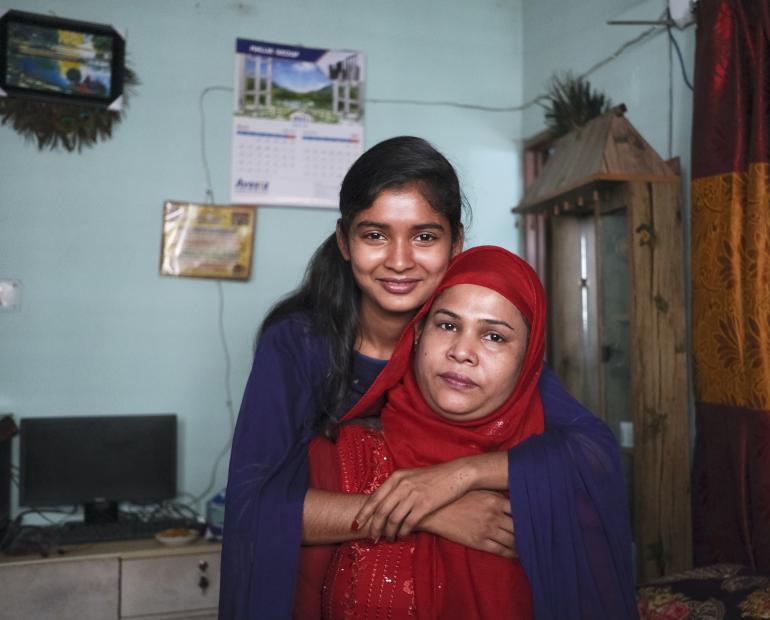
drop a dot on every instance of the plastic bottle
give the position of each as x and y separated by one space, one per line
215 516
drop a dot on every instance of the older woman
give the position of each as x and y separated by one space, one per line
462 382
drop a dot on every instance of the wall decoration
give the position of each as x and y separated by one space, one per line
571 104
298 123
207 241
62 82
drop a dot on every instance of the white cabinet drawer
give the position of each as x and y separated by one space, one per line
167 585
59 590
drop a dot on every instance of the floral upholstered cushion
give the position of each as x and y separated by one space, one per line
718 592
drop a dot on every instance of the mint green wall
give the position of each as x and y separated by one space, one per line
99 331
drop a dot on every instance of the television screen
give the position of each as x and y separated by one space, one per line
61 60
83 460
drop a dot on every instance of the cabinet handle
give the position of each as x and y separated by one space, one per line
203 565
203 582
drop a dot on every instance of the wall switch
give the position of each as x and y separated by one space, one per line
10 295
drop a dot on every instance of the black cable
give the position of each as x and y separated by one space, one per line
181 509
649 33
18 533
670 91
681 59
456 104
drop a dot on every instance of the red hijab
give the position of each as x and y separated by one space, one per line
417 435
452 580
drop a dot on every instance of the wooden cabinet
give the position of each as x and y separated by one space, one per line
128 579
162 585
611 257
61 589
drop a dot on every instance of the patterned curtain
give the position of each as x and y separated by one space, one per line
731 283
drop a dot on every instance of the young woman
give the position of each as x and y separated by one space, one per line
399 226
318 350
462 381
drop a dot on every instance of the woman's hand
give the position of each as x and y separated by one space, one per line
410 495
479 520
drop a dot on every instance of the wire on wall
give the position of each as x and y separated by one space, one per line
206 169
687 81
221 307
670 145
649 33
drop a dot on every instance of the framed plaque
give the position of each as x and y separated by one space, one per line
207 241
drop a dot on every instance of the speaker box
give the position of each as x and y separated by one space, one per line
7 431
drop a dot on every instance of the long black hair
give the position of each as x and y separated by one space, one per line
328 292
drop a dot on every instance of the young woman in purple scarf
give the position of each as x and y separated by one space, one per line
317 353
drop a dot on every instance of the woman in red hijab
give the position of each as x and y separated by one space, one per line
462 381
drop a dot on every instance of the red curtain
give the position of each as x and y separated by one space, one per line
731 283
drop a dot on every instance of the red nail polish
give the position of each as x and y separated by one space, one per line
354 527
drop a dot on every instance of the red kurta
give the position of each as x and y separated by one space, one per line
367 580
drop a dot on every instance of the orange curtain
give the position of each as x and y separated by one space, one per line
731 283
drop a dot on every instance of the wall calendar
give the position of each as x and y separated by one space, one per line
297 125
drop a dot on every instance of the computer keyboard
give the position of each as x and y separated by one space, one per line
75 532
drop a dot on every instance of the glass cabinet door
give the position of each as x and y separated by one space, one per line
615 335
573 327
615 325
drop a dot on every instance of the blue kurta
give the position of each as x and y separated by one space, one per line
566 487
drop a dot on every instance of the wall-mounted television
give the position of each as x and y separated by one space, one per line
61 60
97 461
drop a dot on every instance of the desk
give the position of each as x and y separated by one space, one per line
113 580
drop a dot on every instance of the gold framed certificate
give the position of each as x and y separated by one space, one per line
207 241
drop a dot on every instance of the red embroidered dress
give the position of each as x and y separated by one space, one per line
364 578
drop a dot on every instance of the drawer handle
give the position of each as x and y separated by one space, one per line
203 583
203 565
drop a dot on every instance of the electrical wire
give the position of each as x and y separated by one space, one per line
206 169
221 306
456 104
16 529
650 33
229 402
647 34
681 59
670 89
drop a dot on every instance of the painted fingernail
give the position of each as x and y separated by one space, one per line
354 527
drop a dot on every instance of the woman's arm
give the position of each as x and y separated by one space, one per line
479 520
569 506
268 472
327 517
406 498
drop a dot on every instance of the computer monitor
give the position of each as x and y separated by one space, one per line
97 461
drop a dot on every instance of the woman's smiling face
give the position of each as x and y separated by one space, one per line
469 352
399 249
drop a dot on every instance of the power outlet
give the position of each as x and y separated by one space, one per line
10 295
